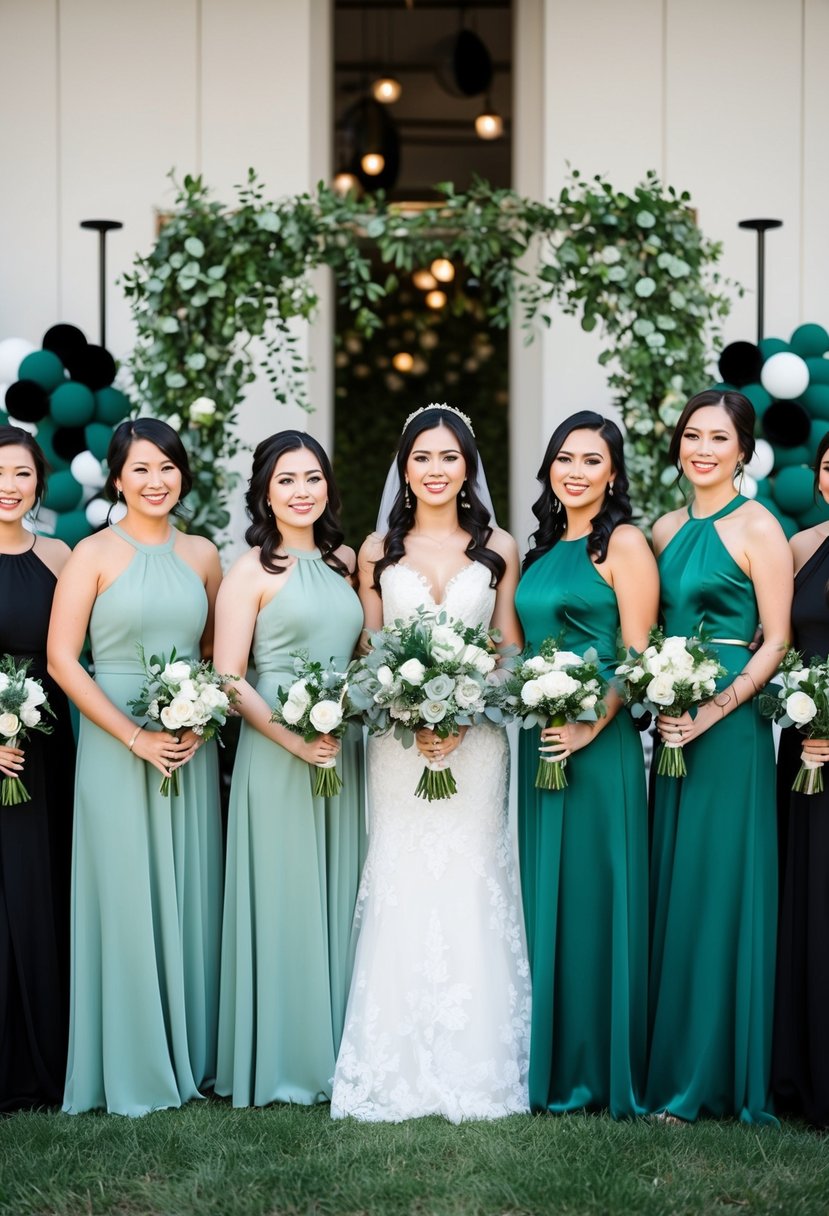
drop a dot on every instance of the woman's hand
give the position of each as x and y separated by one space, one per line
320 750
679 730
192 741
432 747
813 749
161 749
11 760
559 742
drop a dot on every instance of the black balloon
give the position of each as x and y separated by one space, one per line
68 441
786 424
27 401
466 67
92 366
65 341
740 363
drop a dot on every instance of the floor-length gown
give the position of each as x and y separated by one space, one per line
714 864
292 867
584 868
35 851
800 1057
438 1015
146 869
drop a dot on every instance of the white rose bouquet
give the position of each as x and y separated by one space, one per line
430 671
671 675
22 704
317 703
182 694
802 700
550 689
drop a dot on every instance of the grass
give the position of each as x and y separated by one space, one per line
210 1159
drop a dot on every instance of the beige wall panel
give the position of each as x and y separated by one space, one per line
814 301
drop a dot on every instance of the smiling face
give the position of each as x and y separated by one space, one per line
149 480
581 470
298 491
18 483
823 476
709 447
436 469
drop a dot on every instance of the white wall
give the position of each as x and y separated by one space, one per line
725 98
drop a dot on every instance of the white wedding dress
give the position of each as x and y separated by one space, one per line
438 1018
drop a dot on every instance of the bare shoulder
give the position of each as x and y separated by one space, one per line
371 550
628 541
503 544
94 551
760 524
804 544
246 569
667 526
52 552
347 556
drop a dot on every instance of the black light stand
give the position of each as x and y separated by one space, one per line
102 227
761 227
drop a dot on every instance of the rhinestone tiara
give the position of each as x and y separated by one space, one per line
441 405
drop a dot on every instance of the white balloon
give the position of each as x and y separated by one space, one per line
31 427
119 510
97 511
12 353
785 376
747 487
762 462
87 469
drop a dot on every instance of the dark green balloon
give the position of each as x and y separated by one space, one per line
810 340
72 527
791 457
818 429
111 405
758 396
4 418
818 513
789 525
816 400
45 435
794 489
98 436
772 346
63 493
44 367
72 404
818 371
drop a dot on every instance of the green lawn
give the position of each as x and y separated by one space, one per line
210 1158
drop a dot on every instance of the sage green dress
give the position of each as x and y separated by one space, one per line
714 864
146 870
293 865
584 867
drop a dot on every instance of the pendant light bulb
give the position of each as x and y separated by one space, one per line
387 90
373 163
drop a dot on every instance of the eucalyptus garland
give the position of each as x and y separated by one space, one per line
635 265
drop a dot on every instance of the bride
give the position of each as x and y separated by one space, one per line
438 1014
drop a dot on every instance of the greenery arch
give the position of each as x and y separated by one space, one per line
635 265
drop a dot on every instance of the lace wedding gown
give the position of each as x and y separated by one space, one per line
438 1018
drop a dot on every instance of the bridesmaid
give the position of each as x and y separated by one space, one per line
146 870
35 837
292 859
583 850
800 1057
724 564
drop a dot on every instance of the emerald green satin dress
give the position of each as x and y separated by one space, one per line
293 867
714 865
584 866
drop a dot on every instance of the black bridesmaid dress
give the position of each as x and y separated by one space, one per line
800 1061
35 848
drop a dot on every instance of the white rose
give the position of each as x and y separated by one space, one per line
326 716
4 681
794 678
799 706
537 665
292 712
9 725
298 696
180 711
212 696
680 663
557 684
167 718
30 715
34 693
480 659
412 671
174 420
468 694
532 693
202 411
188 689
445 644
566 658
173 673
589 702
201 713
674 645
385 675
661 690
636 674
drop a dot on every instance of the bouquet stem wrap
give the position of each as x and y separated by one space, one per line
170 785
327 781
809 779
671 761
436 781
550 774
12 790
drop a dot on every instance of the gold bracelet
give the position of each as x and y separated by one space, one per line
748 676
135 735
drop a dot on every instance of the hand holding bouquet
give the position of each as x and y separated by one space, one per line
316 704
672 675
802 700
430 671
553 688
182 694
22 701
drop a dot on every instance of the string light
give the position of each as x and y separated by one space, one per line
373 163
387 90
436 299
443 270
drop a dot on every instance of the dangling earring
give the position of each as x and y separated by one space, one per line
269 508
467 506
120 495
557 506
738 472
407 502
610 489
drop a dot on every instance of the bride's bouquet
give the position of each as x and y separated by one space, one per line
317 703
802 700
182 694
550 689
671 675
430 671
22 701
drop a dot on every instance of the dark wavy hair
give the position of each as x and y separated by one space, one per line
739 410
547 508
475 519
15 435
822 449
263 530
159 433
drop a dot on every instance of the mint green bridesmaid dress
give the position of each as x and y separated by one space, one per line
584 867
714 864
146 870
293 865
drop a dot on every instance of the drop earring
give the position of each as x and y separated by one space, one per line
465 504
738 473
610 489
407 502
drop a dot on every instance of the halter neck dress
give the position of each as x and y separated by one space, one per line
714 864
146 871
